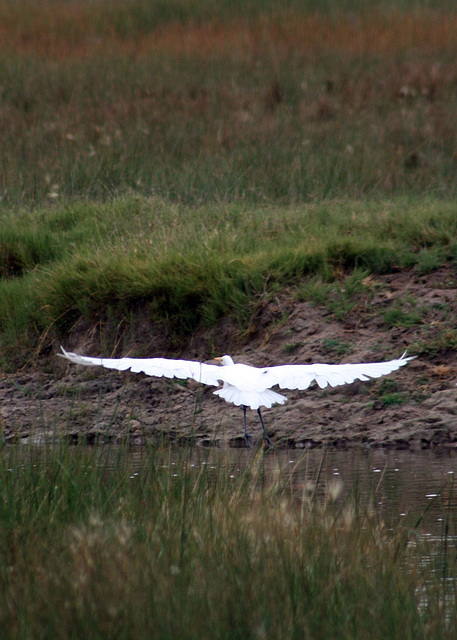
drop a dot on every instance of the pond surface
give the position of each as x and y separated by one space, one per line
414 487
402 485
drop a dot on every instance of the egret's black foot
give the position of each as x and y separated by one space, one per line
248 440
266 437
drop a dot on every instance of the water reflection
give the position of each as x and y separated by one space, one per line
413 487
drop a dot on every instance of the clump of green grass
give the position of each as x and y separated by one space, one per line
96 543
189 267
437 340
291 347
389 394
391 399
396 316
339 296
336 347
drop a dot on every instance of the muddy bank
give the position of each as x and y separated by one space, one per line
415 407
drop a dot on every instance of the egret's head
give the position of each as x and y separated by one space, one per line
225 361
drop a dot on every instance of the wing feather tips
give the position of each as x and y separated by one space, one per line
301 376
156 367
121 364
77 359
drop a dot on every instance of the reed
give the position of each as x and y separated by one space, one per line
101 543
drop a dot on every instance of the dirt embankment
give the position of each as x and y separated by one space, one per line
413 407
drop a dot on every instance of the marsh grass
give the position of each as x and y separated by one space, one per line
98 543
198 101
184 267
164 158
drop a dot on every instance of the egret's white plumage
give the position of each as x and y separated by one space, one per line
244 385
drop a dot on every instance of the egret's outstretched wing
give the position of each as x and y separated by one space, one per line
300 376
158 367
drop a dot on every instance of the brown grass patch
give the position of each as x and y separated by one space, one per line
72 30
442 371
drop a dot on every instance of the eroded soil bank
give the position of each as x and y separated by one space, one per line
415 407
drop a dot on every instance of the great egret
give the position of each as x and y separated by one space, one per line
244 385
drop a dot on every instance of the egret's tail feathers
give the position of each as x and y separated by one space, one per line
251 399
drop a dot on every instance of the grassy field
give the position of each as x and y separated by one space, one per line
97 544
198 101
187 158
188 267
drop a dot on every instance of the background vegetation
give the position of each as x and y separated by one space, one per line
159 155
201 101
185 268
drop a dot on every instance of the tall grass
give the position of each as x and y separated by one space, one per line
148 148
94 545
186 268
200 101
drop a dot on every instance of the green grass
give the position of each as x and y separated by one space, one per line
397 317
185 160
388 393
95 543
437 340
341 295
202 101
188 267
336 347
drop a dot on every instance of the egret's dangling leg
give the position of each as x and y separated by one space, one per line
265 434
247 437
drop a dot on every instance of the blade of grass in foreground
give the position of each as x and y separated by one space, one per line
97 543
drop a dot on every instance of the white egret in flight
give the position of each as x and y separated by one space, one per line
244 385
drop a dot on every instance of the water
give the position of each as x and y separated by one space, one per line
401 485
416 488
412 487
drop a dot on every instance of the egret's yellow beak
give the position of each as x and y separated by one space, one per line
218 360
